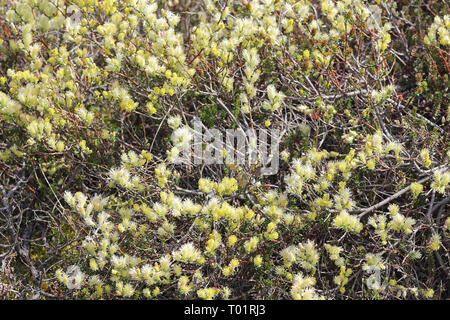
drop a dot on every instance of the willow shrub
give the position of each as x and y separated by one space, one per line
97 99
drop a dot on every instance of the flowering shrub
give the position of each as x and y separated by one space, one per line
97 101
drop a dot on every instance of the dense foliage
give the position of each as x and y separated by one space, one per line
97 98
